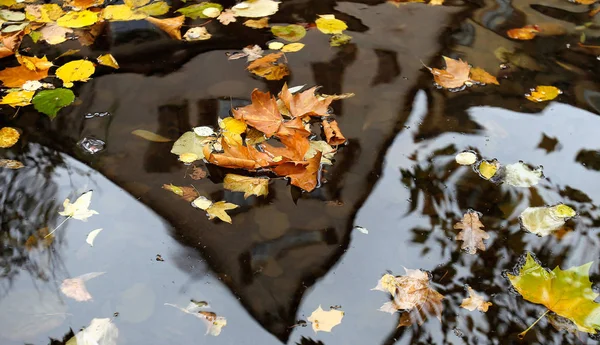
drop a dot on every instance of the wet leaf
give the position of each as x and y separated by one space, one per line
157 8
8 137
324 321
77 19
198 173
75 287
172 26
108 60
568 293
17 76
197 10
188 194
150 136
80 208
475 301
339 40
46 13
303 176
257 24
54 34
84 4
262 114
268 68
561 323
333 133
92 236
328 24
78 70
471 233
411 295
190 142
50 102
121 13
543 93
292 47
545 220
481 76
454 76
327 152
466 158
256 8
197 34
525 33
11 16
39 238
290 33
487 169
34 63
98 332
249 185
213 323
521 175
276 45
217 210
17 98
304 103
226 17
11 164
231 130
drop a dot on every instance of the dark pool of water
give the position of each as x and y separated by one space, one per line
285 255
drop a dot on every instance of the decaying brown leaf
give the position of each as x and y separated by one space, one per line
454 76
268 67
75 287
257 24
249 185
186 193
475 301
197 173
333 134
471 234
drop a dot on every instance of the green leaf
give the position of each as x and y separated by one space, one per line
290 33
339 40
567 293
195 11
50 102
35 36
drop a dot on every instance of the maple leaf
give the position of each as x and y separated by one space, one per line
262 114
454 76
249 185
325 320
267 67
295 148
481 76
186 193
471 234
302 175
304 103
543 93
244 157
412 295
17 76
75 287
475 301
568 293
333 134
226 17
80 208
217 210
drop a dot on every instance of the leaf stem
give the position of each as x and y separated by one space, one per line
522 334
59 225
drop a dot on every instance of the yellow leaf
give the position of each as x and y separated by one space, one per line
11 164
78 70
80 208
276 45
34 63
481 76
325 320
218 209
564 211
47 13
136 3
257 24
84 4
292 47
150 136
108 60
232 130
78 19
487 169
121 13
8 135
188 157
249 185
475 301
436 2
171 26
543 93
157 8
17 99
327 24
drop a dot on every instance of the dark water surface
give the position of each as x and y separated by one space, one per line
288 253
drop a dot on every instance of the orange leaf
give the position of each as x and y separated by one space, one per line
481 76
455 75
17 76
262 114
525 33
333 134
85 4
304 103
9 43
172 26
295 148
292 127
267 67
301 176
238 157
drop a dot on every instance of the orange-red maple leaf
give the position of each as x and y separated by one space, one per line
333 134
304 103
303 176
262 114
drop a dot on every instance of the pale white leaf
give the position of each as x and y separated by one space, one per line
75 287
92 236
78 209
99 332
325 320
520 175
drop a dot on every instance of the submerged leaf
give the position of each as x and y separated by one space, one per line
217 210
75 287
471 233
543 221
290 33
150 136
11 164
50 102
249 185
188 194
324 321
197 34
197 10
475 301
190 142
333 133
214 323
466 158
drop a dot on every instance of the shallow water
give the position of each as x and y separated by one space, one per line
285 255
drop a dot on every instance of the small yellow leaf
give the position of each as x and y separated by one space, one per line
47 13
18 98
257 24
276 45
188 157
249 185
78 19
121 13
325 320
108 60
232 130
9 136
78 70
150 136
487 169
292 47
217 210
543 93
564 211
34 63
328 24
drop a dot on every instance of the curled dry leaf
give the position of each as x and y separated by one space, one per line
475 301
8 137
75 287
324 321
108 60
268 67
249 185
333 133
525 33
150 136
471 233
186 193
454 76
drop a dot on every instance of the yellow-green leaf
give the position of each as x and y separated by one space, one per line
121 13
328 24
217 210
157 8
290 33
78 19
292 47
18 98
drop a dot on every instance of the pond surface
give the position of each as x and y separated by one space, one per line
288 253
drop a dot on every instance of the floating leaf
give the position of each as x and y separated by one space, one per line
197 10
543 221
226 17
75 287
214 323
80 208
276 45
84 4
17 98
8 137
333 133
292 47
172 26
339 40
305 103
98 332
17 76
11 16
525 33
481 76
543 93
46 13
188 194
303 176
249 185
267 67
108 60
50 102
263 114
487 169
77 19
54 34
197 34
290 33
256 8
92 236
217 210
231 130
190 142
34 63
475 301
150 136
324 321
257 24
328 24
568 293
11 164
157 8
78 70
521 175
471 233
454 76
121 13
466 158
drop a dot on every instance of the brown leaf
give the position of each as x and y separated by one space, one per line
238 157
293 127
295 147
172 26
471 234
198 173
257 24
249 185
431 306
262 114
475 301
186 193
9 43
304 103
455 75
481 76
17 76
268 68
333 134
303 176
11 164
525 33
